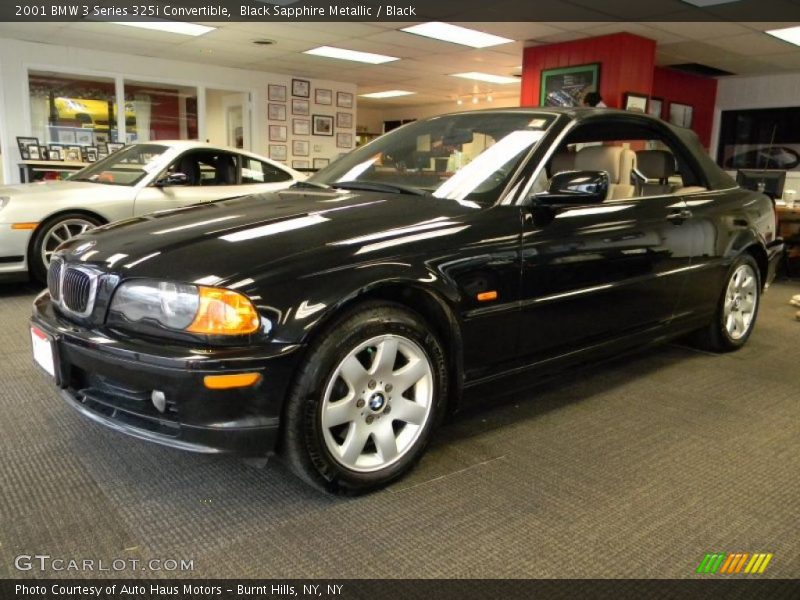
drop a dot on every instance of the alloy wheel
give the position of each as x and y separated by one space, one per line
59 233
741 302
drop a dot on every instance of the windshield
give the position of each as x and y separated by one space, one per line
124 167
465 157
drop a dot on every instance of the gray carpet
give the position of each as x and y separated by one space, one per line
636 469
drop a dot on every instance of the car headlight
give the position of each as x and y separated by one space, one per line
183 307
3 201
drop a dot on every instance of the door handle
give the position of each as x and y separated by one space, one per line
679 216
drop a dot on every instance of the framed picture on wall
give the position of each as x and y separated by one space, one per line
656 107
566 86
681 114
301 88
277 151
344 120
322 125
301 127
635 102
301 108
84 137
276 112
344 140
300 164
344 99
323 96
300 147
276 93
277 133
23 143
321 163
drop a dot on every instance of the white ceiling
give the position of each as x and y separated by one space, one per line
425 64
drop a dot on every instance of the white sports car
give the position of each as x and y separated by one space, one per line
35 218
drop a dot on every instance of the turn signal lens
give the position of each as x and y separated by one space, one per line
224 312
24 225
226 382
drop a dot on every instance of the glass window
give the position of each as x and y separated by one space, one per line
765 138
255 171
126 167
206 167
156 111
72 110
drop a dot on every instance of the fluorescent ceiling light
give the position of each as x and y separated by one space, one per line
457 35
387 94
788 34
365 57
169 26
487 77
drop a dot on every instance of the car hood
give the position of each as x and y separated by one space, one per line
50 190
220 242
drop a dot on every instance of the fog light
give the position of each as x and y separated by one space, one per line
159 400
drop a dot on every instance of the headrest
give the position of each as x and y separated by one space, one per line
563 161
655 164
617 161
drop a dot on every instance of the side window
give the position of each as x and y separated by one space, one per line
206 168
254 171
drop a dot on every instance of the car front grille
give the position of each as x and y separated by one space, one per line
54 278
72 287
76 287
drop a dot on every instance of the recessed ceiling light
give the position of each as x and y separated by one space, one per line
487 77
342 53
387 94
788 34
457 35
169 27
263 42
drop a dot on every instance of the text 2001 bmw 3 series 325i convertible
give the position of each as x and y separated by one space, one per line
336 322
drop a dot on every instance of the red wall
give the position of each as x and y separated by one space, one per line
694 90
626 65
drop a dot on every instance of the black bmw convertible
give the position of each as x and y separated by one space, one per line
337 322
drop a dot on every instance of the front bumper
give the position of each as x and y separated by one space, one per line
13 249
110 379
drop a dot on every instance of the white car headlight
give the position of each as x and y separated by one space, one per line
173 305
3 201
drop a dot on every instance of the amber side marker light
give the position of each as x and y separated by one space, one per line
227 382
24 225
487 296
224 312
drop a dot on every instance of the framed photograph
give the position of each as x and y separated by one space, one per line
566 86
300 147
344 120
65 136
321 163
56 152
301 108
635 102
276 93
114 146
301 127
73 154
322 96
33 152
91 154
300 164
44 153
276 112
102 155
277 133
23 143
322 125
681 114
656 107
344 99
301 88
344 140
100 137
277 151
84 137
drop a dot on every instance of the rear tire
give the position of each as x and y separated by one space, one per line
737 308
364 405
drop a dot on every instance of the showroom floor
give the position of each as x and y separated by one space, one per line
633 470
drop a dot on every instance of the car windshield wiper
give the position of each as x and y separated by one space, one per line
375 186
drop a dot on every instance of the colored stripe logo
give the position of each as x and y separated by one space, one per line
732 563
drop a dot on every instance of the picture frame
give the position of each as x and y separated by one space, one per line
84 137
344 120
344 99
23 143
73 154
65 136
301 108
276 112
56 152
300 164
322 125
301 127
300 147
276 92
33 152
44 153
323 96
567 86
114 146
91 154
344 140
301 88
278 133
320 163
100 137
655 107
635 102
277 151
680 114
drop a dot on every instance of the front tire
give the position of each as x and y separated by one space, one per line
737 308
364 405
50 234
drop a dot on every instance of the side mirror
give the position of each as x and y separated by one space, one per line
172 179
575 187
